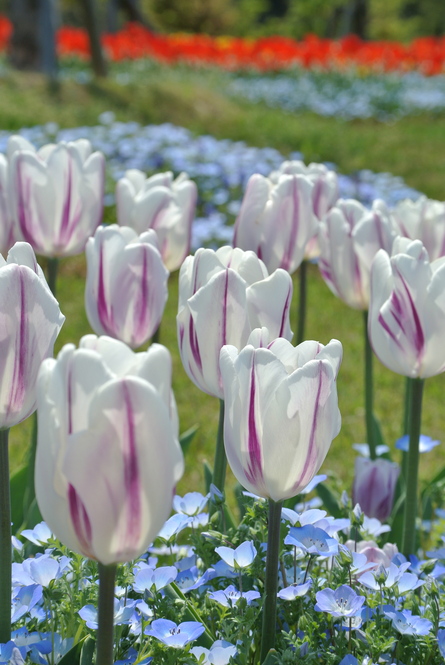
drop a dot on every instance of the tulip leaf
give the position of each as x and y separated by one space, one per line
186 438
378 435
18 486
208 476
329 500
74 655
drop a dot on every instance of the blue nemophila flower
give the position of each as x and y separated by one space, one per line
426 443
39 535
123 612
41 570
24 599
312 540
241 557
363 449
294 591
349 660
154 578
173 526
391 577
131 656
441 641
219 653
190 504
373 527
409 624
174 635
343 602
230 596
10 654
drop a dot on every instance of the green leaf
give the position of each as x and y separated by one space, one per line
272 658
186 438
208 476
74 655
18 485
329 500
379 440
88 649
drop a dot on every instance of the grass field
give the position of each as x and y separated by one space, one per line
413 148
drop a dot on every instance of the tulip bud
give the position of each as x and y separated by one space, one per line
406 321
108 456
30 320
281 413
56 194
374 486
223 296
160 203
126 286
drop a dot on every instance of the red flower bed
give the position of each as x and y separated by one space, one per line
426 54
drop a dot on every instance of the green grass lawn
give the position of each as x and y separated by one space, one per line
413 148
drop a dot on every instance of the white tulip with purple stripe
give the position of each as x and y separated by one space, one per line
423 220
281 412
126 286
108 456
30 320
56 194
349 238
168 206
223 296
406 323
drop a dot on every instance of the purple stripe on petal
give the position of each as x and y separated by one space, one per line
81 522
254 471
132 479
102 304
287 258
284 316
194 345
141 310
64 225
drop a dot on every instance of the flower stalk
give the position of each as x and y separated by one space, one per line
271 582
5 540
369 396
412 471
220 465
105 634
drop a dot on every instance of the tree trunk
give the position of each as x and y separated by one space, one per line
33 42
92 25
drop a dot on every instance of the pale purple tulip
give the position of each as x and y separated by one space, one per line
160 203
349 238
56 194
276 220
30 320
281 412
223 296
6 225
406 323
374 486
423 220
108 457
126 286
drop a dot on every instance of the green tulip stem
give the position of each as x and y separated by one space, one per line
406 414
52 268
220 465
5 540
105 634
269 630
369 397
301 321
410 512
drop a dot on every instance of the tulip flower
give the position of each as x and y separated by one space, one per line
325 189
30 320
159 203
108 456
126 286
423 220
276 220
223 296
281 412
56 194
349 238
374 486
407 310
